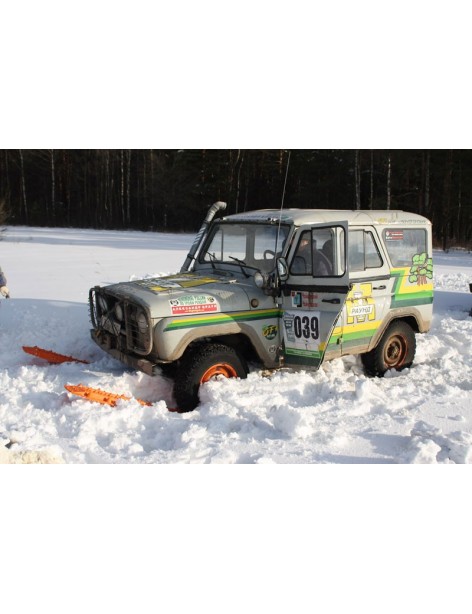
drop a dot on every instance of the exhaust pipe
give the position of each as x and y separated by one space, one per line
218 206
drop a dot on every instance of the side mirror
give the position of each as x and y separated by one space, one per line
282 269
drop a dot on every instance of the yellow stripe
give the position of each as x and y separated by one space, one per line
354 328
225 316
405 287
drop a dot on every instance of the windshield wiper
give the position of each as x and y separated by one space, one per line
241 264
212 258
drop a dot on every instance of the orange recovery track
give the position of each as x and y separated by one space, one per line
100 396
50 356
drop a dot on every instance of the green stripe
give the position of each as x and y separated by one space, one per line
307 353
349 343
360 334
334 340
220 318
398 275
410 300
296 359
407 299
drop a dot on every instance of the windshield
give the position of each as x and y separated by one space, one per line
254 245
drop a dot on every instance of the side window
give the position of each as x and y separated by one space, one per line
302 261
404 243
373 259
363 251
319 253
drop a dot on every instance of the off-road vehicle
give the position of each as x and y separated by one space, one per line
287 288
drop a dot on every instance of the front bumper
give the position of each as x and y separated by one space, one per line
106 342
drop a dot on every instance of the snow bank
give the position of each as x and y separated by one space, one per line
336 415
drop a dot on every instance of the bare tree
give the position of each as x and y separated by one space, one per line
371 198
53 184
23 186
357 178
3 211
389 181
128 187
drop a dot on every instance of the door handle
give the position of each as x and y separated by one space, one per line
333 301
382 287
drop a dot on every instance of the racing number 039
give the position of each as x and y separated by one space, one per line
307 327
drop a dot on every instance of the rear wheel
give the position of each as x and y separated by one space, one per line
396 350
200 365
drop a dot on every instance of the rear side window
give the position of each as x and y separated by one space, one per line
363 251
404 243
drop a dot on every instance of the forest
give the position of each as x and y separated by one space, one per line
171 189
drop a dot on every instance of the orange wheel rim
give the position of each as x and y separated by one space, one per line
396 351
222 368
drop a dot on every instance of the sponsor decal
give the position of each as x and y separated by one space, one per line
360 305
270 331
421 269
394 235
302 332
175 282
194 303
306 300
362 310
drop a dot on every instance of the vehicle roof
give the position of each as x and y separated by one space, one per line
300 217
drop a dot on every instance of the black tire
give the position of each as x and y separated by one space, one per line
199 365
396 350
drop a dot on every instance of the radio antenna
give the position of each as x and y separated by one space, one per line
282 203
285 182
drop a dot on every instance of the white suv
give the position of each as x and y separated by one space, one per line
278 288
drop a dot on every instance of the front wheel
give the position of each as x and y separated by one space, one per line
396 350
200 365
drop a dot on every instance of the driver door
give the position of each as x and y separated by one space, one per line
314 293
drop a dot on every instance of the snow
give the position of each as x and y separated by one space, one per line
336 415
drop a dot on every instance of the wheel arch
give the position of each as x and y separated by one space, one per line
409 318
201 363
240 342
396 348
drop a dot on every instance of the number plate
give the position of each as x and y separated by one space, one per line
302 332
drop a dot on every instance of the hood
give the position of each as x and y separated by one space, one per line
185 294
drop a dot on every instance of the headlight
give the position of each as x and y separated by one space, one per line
259 280
119 312
142 322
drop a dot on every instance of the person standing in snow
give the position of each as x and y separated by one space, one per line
3 285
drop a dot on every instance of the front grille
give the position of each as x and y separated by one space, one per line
128 324
138 329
